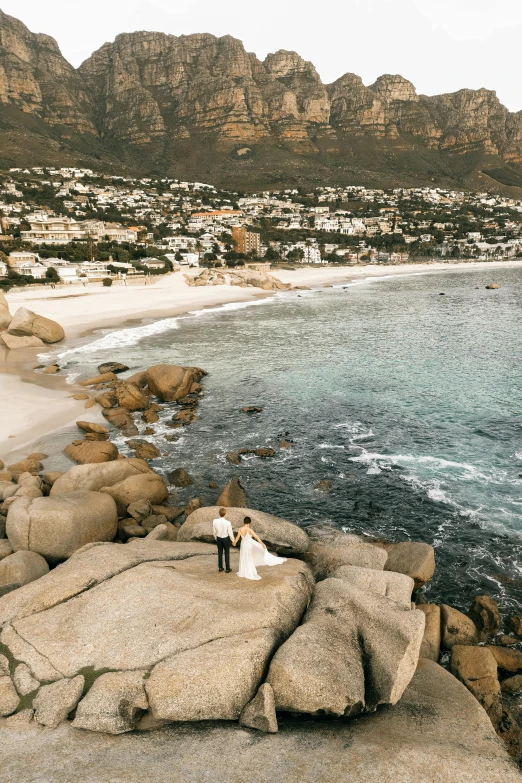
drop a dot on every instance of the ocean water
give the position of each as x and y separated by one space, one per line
409 402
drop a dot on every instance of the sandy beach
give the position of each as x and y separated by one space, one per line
33 404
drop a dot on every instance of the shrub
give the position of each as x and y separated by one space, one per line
107 282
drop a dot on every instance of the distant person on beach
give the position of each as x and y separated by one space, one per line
224 535
253 552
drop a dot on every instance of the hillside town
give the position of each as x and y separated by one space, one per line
74 225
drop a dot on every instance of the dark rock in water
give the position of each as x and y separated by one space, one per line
486 616
515 622
233 458
233 495
442 294
457 628
264 452
324 486
144 449
115 367
492 286
180 478
252 409
213 485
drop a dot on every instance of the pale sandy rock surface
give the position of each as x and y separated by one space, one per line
396 587
54 702
353 651
438 733
22 567
339 549
161 608
55 527
430 647
113 704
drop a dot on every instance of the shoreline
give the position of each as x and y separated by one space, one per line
34 404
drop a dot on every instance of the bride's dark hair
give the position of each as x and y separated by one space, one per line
247 521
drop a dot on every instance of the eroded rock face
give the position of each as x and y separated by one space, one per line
55 527
157 99
354 651
90 613
278 534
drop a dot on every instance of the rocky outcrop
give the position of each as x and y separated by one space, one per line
233 495
170 383
353 651
88 452
147 486
21 568
25 323
94 476
279 535
177 654
334 549
437 733
55 527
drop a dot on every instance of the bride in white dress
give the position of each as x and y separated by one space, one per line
253 552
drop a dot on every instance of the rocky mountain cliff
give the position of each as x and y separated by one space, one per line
203 107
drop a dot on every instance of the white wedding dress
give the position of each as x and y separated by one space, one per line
253 554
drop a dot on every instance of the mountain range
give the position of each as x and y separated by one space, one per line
202 107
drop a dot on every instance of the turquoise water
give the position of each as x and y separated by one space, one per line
409 402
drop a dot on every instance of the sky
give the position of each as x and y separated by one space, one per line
439 45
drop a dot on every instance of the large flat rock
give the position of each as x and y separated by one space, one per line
161 608
438 733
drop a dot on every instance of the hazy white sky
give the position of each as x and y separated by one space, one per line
440 45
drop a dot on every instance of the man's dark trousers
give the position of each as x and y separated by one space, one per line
223 545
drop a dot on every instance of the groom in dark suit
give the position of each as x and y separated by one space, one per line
224 535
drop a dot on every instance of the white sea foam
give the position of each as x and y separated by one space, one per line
470 471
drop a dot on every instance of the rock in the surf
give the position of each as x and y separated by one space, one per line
233 495
87 452
170 382
457 628
486 616
25 323
144 449
476 668
412 558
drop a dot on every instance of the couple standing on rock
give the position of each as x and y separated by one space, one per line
252 553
